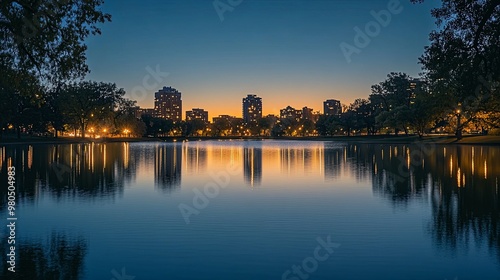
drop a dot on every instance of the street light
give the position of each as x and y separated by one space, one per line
458 132
126 131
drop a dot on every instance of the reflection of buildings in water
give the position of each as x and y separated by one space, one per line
168 165
291 159
301 161
252 165
195 159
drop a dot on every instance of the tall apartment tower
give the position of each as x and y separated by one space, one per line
168 104
332 107
252 108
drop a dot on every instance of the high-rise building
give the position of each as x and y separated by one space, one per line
307 114
168 104
291 113
197 113
332 107
252 108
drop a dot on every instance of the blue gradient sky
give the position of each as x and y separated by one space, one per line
286 51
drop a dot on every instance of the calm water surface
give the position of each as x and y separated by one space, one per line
253 210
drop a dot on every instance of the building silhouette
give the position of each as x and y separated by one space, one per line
332 107
168 104
308 114
139 112
197 113
168 166
291 113
252 108
226 118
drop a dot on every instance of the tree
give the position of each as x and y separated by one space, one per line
392 99
365 115
89 101
157 126
424 111
306 127
21 97
47 37
289 126
328 125
221 127
52 111
194 127
238 127
348 120
463 59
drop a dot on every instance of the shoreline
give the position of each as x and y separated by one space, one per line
482 140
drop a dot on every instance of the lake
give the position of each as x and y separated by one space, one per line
252 210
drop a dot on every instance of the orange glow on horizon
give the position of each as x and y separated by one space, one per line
273 99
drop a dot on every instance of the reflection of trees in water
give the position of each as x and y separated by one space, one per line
76 170
460 183
459 216
350 159
399 173
60 257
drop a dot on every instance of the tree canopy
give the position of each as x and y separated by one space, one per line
46 38
462 61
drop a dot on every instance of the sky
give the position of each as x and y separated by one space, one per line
286 51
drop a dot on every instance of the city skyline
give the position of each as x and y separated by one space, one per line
251 102
256 49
